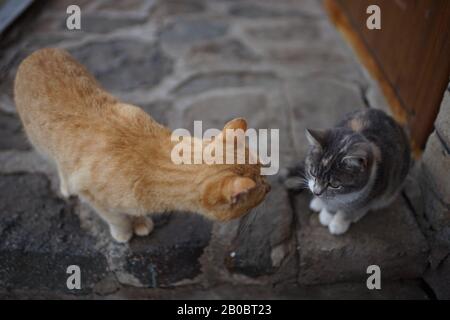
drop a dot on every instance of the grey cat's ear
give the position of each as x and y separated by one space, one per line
355 162
316 137
357 158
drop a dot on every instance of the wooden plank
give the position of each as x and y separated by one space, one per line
409 56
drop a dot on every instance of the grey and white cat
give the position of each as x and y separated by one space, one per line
357 166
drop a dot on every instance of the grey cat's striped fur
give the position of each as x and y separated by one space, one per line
357 166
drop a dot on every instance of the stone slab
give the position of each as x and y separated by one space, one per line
171 253
439 279
436 168
40 238
264 238
442 123
11 133
139 64
389 238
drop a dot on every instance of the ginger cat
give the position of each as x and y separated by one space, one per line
116 157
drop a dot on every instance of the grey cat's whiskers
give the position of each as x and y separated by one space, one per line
296 183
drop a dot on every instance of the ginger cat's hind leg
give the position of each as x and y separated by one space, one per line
120 225
63 184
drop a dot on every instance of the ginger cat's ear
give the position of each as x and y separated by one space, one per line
235 124
238 123
236 187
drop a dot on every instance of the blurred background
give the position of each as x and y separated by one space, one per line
284 64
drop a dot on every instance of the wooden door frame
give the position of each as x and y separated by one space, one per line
349 30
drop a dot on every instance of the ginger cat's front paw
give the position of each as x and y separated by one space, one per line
121 235
143 226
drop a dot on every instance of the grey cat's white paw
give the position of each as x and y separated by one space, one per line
143 226
338 226
316 204
325 217
121 235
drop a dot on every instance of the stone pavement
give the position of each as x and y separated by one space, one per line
279 64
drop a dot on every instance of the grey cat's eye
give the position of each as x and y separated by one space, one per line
335 185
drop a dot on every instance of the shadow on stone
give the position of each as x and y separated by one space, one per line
40 237
170 254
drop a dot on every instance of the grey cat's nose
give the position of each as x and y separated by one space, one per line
318 191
